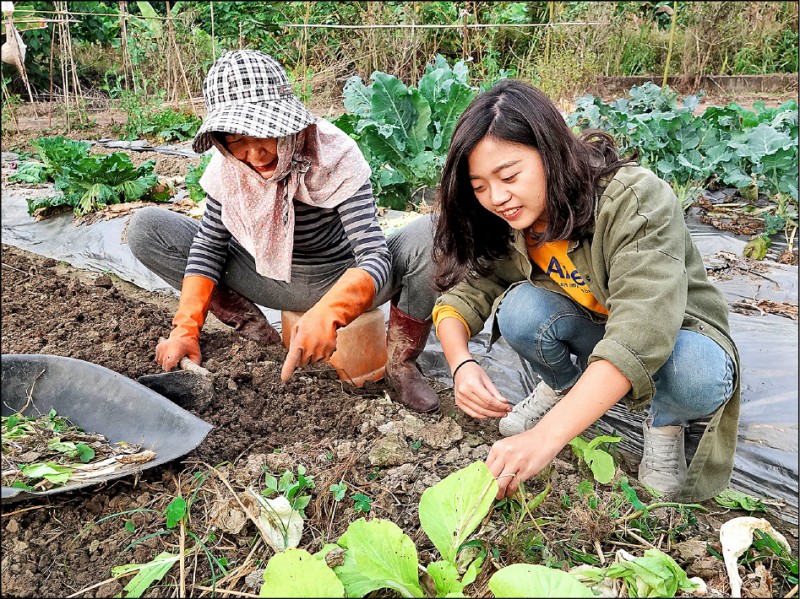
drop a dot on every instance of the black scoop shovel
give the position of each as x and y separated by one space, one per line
191 387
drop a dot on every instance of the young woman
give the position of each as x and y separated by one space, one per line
290 223
586 266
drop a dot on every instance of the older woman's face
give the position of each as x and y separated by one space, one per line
259 153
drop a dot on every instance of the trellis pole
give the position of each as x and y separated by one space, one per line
669 47
213 39
127 61
177 51
16 52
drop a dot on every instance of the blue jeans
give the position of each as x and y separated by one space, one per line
547 329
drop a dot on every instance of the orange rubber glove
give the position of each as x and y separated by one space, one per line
185 337
314 336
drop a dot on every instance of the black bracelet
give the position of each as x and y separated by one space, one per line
460 365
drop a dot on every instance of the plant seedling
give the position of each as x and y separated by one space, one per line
599 461
339 490
362 502
290 487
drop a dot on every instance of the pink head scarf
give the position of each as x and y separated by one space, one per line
319 166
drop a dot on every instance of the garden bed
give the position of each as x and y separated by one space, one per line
69 543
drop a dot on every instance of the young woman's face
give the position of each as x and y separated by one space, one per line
259 153
509 180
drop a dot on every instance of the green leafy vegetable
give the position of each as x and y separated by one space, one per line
148 573
404 132
451 510
297 573
654 575
369 566
525 580
738 500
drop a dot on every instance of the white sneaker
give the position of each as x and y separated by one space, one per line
529 411
663 465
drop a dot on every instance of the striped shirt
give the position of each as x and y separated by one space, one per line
321 236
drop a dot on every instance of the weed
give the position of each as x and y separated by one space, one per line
338 490
10 104
363 503
291 487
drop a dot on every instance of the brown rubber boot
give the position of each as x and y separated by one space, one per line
237 311
405 340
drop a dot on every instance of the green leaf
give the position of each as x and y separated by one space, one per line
765 140
176 510
474 568
450 510
297 573
756 249
130 526
379 556
148 573
525 580
85 453
65 447
362 502
271 484
584 488
153 24
630 495
339 490
578 445
286 481
601 463
445 578
357 97
54 473
738 500
534 503
301 502
654 575
405 109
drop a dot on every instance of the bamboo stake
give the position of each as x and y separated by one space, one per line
180 62
11 40
413 45
465 36
182 541
63 64
669 47
126 51
79 99
551 9
52 48
213 39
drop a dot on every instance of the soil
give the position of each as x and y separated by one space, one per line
69 543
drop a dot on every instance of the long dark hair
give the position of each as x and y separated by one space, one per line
467 237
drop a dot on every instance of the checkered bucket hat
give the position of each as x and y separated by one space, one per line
247 92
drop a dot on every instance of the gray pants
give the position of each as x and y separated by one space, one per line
161 240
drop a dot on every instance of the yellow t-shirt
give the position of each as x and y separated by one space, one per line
552 258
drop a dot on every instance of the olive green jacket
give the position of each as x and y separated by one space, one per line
642 265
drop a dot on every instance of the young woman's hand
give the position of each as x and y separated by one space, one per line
476 394
518 458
